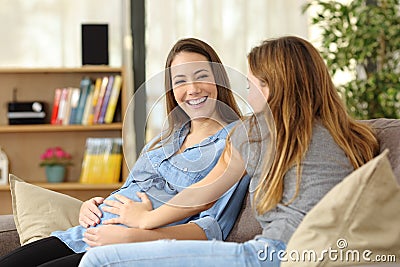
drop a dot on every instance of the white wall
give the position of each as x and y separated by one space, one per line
47 33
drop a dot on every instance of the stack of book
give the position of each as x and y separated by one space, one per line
94 102
102 161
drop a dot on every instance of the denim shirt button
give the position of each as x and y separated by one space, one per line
185 169
155 165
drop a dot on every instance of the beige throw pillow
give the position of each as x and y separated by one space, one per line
357 222
38 211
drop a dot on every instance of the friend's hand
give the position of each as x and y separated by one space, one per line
105 235
131 213
90 214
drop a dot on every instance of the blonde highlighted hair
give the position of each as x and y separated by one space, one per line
301 92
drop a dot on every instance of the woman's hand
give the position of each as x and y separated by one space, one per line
106 235
90 214
131 213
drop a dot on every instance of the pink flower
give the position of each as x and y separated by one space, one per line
55 156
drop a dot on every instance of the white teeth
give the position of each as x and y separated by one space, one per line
197 101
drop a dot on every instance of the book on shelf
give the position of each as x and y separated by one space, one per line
102 161
96 92
84 91
67 107
106 98
56 105
94 102
74 102
112 104
100 98
88 106
62 107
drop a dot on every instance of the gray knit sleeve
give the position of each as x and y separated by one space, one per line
255 139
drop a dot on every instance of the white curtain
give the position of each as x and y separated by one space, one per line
232 27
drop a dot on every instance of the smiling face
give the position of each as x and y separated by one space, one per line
193 85
258 92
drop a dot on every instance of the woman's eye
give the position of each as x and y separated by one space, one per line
179 82
202 77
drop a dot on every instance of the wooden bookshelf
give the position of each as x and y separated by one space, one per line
59 128
71 186
24 144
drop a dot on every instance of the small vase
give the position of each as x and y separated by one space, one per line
55 173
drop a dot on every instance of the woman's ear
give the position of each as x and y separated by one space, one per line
264 89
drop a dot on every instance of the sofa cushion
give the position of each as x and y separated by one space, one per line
246 226
388 133
359 215
38 211
8 234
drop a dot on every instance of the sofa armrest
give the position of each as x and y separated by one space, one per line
9 239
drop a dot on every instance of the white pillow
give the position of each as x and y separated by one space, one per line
38 211
359 218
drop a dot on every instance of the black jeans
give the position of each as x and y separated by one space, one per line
49 251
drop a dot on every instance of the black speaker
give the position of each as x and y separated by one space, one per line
94 44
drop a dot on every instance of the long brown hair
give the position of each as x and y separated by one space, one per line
301 92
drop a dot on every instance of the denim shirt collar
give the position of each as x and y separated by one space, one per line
172 145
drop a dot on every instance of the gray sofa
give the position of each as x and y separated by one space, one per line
246 227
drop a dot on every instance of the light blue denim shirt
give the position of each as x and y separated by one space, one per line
162 173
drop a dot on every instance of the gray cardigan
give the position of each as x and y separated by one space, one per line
324 165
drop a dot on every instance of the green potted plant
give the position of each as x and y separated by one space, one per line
55 160
362 38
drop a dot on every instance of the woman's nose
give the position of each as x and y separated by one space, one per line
193 88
